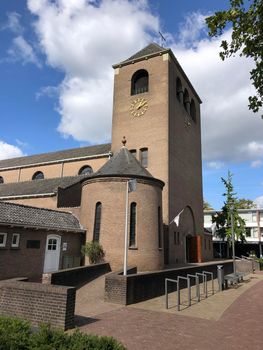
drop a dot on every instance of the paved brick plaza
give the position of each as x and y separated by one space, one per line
237 325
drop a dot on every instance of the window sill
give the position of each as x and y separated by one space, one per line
133 248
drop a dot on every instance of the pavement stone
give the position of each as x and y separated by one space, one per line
232 319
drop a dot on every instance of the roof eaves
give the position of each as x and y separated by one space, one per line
42 227
145 57
38 195
129 176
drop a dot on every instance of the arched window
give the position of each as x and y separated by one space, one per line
179 90
86 169
186 101
139 82
193 110
97 220
38 176
132 241
1 180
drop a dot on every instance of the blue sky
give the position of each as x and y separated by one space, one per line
53 54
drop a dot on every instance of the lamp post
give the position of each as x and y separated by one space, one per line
233 238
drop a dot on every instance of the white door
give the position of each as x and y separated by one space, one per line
52 253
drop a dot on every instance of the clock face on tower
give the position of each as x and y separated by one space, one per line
138 107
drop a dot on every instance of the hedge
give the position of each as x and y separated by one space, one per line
16 334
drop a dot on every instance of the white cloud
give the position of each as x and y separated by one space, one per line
49 91
22 50
83 39
230 132
259 201
215 165
13 23
256 163
9 151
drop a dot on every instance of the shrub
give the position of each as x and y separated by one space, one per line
260 260
16 334
94 251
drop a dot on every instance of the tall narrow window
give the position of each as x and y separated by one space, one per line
186 101
139 82
193 110
179 90
159 228
133 152
38 176
97 219
1 180
132 242
144 157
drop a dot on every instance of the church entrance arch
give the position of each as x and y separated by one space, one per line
187 227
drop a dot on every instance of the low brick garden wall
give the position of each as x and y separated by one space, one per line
38 303
134 288
76 276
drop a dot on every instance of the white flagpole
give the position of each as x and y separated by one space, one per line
126 232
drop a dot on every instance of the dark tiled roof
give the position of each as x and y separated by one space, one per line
37 187
56 156
149 50
123 163
17 214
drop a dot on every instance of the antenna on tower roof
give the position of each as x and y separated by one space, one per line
162 38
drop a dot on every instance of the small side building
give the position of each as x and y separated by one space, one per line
36 240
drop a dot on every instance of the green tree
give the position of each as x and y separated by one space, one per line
94 251
207 206
244 203
223 218
246 18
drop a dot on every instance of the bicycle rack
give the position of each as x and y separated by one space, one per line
196 277
212 279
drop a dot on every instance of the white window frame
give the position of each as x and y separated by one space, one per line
2 245
15 245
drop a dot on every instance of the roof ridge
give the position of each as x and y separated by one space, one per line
57 151
30 206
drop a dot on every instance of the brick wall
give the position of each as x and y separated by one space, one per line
76 276
38 303
134 288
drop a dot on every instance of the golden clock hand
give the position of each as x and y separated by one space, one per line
141 104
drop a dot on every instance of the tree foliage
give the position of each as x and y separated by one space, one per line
244 203
94 251
246 18
223 218
207 206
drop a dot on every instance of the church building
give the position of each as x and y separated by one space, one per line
156 139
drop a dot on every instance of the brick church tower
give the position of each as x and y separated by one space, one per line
157 109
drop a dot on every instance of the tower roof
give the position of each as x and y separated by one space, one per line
148 50
152 49
123 163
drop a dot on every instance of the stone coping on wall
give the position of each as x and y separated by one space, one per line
76 276
136 287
